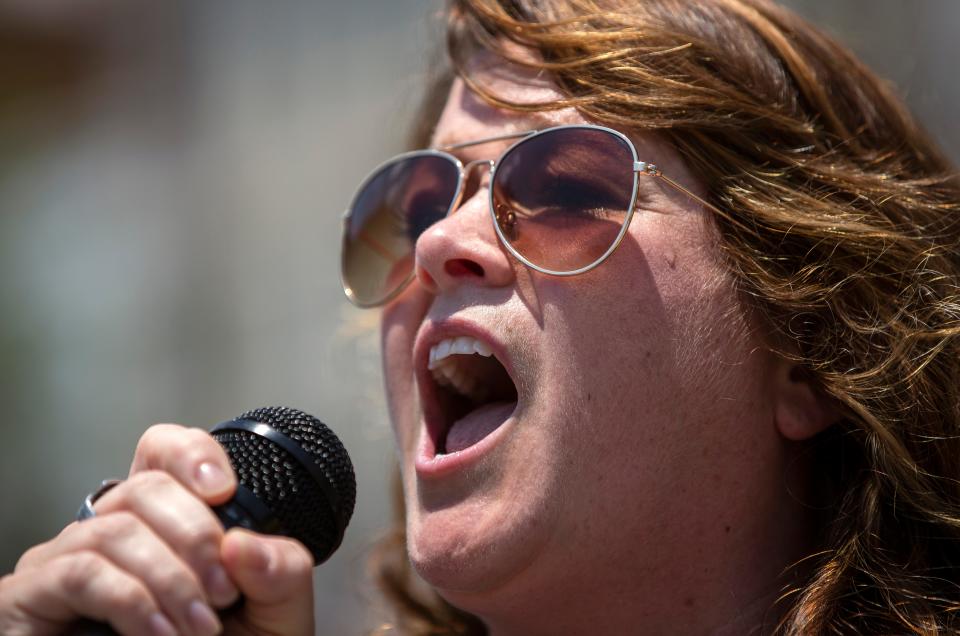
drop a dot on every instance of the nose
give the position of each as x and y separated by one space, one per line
463 249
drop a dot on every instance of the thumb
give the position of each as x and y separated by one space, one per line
275 576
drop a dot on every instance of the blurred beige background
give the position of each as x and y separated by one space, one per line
171 180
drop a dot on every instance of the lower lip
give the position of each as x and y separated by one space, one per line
430 465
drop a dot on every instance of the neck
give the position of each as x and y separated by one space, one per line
728 613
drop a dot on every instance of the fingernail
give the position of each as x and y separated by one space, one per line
221 589
203 619
160 626
211 478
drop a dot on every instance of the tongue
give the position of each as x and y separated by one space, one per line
477 424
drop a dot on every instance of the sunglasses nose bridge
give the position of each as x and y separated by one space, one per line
466 172
478 163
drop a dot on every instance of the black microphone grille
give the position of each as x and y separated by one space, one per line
313 503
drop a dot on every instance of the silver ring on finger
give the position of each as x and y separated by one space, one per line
86 508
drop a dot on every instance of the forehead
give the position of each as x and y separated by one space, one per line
467 116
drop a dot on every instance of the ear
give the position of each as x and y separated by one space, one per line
802 409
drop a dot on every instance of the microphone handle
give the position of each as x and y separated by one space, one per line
90 627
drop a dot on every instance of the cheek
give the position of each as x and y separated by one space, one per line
399 323
611 337
658 367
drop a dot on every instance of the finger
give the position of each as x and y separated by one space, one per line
191 455
133 547
181 521
45 600
275 575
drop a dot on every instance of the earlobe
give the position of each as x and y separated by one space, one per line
802 409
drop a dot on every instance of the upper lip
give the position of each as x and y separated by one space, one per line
431 333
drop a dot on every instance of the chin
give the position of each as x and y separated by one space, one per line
477 545
451 561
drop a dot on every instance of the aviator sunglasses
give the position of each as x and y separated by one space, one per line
561 200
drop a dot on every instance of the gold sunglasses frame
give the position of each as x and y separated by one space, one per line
639 168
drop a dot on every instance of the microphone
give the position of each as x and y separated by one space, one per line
294 479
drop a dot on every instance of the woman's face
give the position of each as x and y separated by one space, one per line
641 440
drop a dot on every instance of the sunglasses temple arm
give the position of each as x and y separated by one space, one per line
485 140
680 188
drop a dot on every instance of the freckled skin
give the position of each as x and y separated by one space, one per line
645 428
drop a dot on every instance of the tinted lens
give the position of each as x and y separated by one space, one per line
391 210
561 198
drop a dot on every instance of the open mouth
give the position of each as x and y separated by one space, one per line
474 393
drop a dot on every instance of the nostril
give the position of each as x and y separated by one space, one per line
426 279
463 267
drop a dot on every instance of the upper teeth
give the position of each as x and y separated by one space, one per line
463 345
450 374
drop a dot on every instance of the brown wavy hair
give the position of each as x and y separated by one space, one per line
840 224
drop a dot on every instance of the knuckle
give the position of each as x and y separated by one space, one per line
153 480
132 597
109 527
30 557
199 445
197 437
167 582
79 569
175 582
178 451
201 533
126 495
156 438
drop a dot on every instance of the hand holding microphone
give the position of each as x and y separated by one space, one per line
156 558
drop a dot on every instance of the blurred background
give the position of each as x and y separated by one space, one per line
171 181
